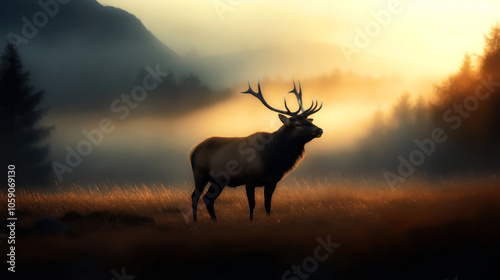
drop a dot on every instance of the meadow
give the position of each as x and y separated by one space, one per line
423 229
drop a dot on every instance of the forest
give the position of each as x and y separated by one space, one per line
463 115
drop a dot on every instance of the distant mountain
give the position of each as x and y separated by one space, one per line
85 55
82 53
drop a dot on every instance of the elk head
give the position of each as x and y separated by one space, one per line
298 123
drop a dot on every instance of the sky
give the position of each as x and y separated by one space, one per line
424 36
397 45
419 42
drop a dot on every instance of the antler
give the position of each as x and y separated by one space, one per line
259 96
311 110
298 94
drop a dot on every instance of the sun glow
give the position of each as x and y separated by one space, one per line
425 37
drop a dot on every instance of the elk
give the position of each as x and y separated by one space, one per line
260 159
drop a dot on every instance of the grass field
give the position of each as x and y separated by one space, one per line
421 230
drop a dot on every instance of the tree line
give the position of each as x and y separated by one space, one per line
466 107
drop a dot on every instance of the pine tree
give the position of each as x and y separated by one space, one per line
491 68
492 40
22 141
491 56
420 111
402 110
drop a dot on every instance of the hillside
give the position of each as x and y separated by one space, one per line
83 54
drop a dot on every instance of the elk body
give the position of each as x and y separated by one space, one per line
260 159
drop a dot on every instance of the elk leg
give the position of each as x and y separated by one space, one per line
209 198
200 182
268 194
251 199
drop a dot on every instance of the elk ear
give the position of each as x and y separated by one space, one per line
310 120
284 119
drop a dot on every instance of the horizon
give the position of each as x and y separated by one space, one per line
134 139
402 54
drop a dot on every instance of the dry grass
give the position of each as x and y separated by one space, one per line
373 223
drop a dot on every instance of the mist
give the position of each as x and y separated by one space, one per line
97 62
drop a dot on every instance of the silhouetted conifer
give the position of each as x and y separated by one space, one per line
22 141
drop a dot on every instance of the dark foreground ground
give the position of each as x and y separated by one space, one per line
441 230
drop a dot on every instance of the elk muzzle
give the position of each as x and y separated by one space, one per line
319 132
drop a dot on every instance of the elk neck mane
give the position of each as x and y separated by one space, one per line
283 151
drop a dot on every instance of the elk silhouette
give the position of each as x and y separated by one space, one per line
260 159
